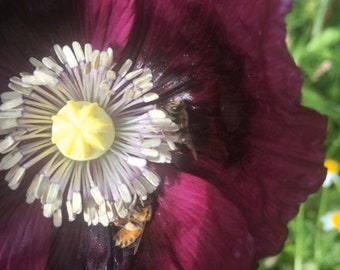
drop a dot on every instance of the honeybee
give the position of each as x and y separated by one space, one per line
132 227
176 110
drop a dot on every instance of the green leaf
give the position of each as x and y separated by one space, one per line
327 38
314 100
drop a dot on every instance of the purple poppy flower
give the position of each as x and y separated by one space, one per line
191 106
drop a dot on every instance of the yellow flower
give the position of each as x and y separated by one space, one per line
332 172
331 220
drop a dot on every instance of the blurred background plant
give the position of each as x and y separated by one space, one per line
314 41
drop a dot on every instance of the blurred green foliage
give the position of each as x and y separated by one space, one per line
314 41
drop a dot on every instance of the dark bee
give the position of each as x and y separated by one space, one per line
132 227
176 109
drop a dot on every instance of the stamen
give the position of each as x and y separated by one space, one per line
11 104
78 51
150 97
152 177
76 203
11 159
71 59
15 176
7 144
138 162
140 189
97 196
52 65
125 68
57 218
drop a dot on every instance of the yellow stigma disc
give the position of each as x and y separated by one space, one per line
82 130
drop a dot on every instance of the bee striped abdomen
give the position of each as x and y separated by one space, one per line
128 235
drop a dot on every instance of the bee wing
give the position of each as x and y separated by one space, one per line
137 242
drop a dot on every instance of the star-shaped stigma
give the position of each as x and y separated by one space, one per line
82 130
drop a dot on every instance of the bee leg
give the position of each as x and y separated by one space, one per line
189 144
193 152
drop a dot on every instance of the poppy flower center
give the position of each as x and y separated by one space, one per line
87 129
82 130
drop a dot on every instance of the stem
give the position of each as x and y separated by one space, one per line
334 147
320 18
337 186
318 247
300 237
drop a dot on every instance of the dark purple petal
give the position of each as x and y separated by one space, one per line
194 227
243 95
107 23
194 62
284 163
79 246
277 177
25 234
31 28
